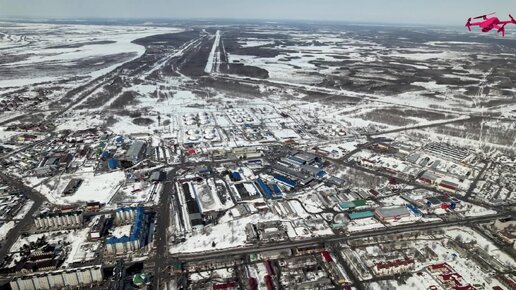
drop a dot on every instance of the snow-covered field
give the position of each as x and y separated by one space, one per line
54 45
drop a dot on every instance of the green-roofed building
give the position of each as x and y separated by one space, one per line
352 204
347 205
139 279
361 215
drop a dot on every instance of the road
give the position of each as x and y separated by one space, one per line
27 219
250 249
162 223
477 179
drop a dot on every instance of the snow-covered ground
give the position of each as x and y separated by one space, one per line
67 44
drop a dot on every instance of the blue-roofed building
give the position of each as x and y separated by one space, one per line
112 164
276 191
264 188
284 180
104 154
414 209
235 176
129 235
119 140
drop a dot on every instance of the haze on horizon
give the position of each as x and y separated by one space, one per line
385 11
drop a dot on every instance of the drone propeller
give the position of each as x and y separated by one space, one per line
484 16
468 24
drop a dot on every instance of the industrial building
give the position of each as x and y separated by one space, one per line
194 211
72 186
449 151
285 181
135 151
314 171
352 204
99 228
428 177
392 213
58 220
70 278
129 237
361 215
447 186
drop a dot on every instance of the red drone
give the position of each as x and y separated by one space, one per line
489 23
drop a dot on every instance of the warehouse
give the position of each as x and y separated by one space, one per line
307 157
352 204
135 152
264 188
392 213
361 215
72 186
428 177
313 170
447 186
285 181
281 169
194 212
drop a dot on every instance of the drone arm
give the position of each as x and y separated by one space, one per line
501 29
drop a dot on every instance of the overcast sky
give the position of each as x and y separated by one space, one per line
394 11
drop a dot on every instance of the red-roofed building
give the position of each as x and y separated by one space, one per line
268 282
394 266
508 282
327 257
225 286
442 267
191 151
467 287
253 284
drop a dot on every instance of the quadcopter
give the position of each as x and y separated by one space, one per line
489 23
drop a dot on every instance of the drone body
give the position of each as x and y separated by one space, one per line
490 23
